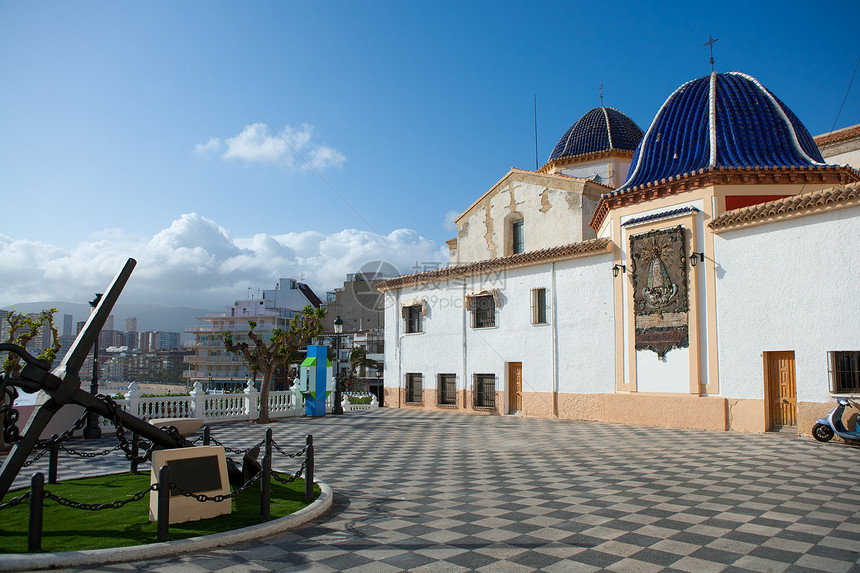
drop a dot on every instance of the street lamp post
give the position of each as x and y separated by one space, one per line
337 409
92 430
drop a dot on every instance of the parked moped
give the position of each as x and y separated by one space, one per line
825 428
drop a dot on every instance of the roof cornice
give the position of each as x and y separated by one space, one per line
564 252
788 207
837 136
832 174
608 153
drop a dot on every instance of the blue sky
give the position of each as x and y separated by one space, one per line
149 129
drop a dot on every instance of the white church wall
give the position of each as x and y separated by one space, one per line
437 349
789 285
586 325
581 303
513 338
850 158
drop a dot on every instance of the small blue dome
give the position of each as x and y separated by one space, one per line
724 120
600 129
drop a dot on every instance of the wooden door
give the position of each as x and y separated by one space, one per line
782 392
515 387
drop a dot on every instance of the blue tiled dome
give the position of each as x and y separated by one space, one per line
721 121
601 129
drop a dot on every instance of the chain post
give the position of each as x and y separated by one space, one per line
163 503
135 451
53 459
37 497
266 487
269 440
207 435
309 469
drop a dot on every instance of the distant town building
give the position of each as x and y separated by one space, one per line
131 325
357 303
212 365
123 366
150 341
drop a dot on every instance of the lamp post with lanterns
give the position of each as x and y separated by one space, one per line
337 409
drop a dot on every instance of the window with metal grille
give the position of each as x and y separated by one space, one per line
538 306
844 371
485 391
518 244
483 311
414 391
412 315
447 389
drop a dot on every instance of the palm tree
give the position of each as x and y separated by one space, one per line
357 359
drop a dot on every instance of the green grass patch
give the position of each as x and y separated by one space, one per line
67 529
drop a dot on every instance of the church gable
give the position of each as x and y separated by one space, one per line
525 211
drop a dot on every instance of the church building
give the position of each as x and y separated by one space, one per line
699 274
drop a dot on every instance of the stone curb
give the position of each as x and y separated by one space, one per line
29 562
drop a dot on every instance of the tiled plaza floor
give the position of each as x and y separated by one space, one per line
426 491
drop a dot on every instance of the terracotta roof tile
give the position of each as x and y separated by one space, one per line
833 197
838 135
571 251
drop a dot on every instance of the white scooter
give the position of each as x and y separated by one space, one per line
825 428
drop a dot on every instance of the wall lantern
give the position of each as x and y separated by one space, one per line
696 257
617 268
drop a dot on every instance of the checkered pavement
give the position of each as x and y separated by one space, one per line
428 491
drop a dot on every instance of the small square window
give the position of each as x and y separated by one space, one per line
483 311
539 306
844 371
413 316
414 390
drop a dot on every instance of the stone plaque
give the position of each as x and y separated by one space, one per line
199 470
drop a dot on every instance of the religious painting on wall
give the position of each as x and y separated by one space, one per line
660 301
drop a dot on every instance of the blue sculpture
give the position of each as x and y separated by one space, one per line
315 380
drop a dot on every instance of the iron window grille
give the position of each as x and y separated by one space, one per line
414 390
447 390
844 369
539 306
413 316
484 391
483 311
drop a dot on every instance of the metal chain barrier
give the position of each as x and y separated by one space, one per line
277 477
89 454
282 452
56 440
234 450
14 501
113 410
231 495
39 456
100 506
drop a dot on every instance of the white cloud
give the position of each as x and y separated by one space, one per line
292 149
196 262
209 148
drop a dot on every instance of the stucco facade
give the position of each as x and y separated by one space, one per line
554 210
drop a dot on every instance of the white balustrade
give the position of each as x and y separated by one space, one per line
222 407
